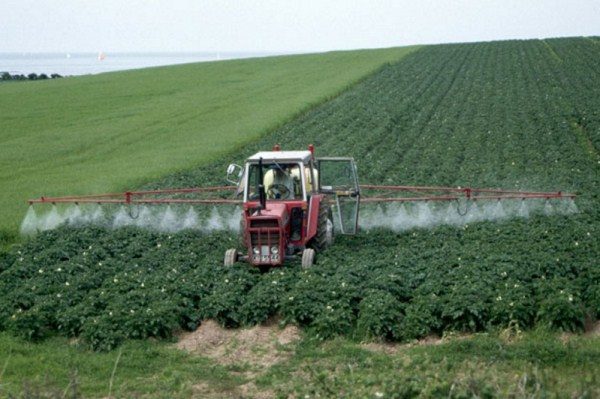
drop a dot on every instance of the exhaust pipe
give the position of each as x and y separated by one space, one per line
262 197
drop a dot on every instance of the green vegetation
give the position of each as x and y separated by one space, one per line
515 114
107 286
7 77
535 364
114 131
59 368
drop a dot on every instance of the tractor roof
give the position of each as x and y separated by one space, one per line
282 156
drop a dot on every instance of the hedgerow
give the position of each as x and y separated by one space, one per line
512 114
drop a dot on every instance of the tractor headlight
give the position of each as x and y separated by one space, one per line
274 250
256 250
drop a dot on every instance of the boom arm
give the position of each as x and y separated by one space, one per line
193 196
425 193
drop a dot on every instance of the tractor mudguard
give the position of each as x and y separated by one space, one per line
313 216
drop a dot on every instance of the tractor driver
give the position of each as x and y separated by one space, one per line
280 182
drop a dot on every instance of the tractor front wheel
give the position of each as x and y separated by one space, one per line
231 256
308 258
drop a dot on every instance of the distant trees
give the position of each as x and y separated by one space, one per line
8 77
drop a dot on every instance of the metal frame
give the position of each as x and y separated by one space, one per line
456 193
144 197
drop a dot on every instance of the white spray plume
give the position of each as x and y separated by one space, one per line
167 219
401 217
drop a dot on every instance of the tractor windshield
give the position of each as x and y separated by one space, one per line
282 181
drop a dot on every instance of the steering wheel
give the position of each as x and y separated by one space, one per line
278 191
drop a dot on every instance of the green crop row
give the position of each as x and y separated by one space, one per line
107 286
506 114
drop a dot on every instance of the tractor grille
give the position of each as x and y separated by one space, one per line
265 237
265 246
258 223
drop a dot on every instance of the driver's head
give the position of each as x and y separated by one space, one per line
280 170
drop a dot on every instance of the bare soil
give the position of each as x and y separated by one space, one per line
253 349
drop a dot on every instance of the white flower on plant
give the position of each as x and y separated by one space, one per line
504 274
142 285
110 313
59 270
131 311
291 298
67 283
58 295
498 298
570 298
274 282
226 280
329 307
379 394
158 245
99 263
41 271
115 280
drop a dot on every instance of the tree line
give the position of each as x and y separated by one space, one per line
6 76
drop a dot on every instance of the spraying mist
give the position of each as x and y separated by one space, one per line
168 219
393 216
406 216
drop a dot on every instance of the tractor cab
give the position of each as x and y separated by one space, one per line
289 209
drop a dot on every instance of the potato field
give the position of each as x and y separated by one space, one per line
515 115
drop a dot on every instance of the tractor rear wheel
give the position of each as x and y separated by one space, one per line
324 237
308 258
231 256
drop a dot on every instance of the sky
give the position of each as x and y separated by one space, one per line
281 26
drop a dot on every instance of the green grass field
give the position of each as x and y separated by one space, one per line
116 130
536 364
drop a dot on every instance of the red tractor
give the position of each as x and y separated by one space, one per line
288 205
